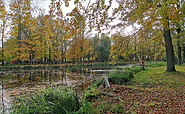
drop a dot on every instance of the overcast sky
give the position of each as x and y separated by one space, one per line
44 4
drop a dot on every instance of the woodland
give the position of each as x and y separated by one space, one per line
148 32
38 38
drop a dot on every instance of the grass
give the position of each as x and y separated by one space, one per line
148 84
134 69
157 77
67 101
52 101
156 64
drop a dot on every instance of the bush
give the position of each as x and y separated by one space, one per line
120 77
133 69
52 101
136 69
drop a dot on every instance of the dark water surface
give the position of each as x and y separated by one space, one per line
17 82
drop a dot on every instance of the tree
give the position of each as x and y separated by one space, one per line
149 13
139 46
79 47
103 50
3 19
21 21
95 41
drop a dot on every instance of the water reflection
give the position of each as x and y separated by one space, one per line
17 82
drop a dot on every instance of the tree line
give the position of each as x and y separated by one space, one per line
58 38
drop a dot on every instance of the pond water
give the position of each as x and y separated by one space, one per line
17 82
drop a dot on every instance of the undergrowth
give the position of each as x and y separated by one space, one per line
120 77
51 101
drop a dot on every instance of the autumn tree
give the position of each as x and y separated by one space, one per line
138 46
3 21
159 13
79 45
21 28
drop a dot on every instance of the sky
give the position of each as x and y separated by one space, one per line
44 4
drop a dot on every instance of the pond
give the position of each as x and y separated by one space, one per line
17 82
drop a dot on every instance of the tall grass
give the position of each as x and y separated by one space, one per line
51 101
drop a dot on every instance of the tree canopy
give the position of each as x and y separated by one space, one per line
50 38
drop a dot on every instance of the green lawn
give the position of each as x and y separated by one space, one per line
157 77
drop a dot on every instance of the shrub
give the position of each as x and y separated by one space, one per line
52 101
136 69
133 69
120 77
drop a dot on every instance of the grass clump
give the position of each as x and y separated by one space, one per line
120 77
51 101
133 69
96 84
92 92
136 69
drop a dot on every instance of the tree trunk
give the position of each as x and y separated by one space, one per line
169 51
2 35
142 63
30 59
2 51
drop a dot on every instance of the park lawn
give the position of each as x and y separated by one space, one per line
151 91
156 77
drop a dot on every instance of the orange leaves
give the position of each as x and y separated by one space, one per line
67 28
79 48
3 11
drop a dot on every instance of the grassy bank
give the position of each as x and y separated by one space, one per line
157 77
151 91
52 101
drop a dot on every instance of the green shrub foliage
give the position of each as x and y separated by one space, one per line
120 77
136 69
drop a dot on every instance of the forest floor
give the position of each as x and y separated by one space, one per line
152 91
